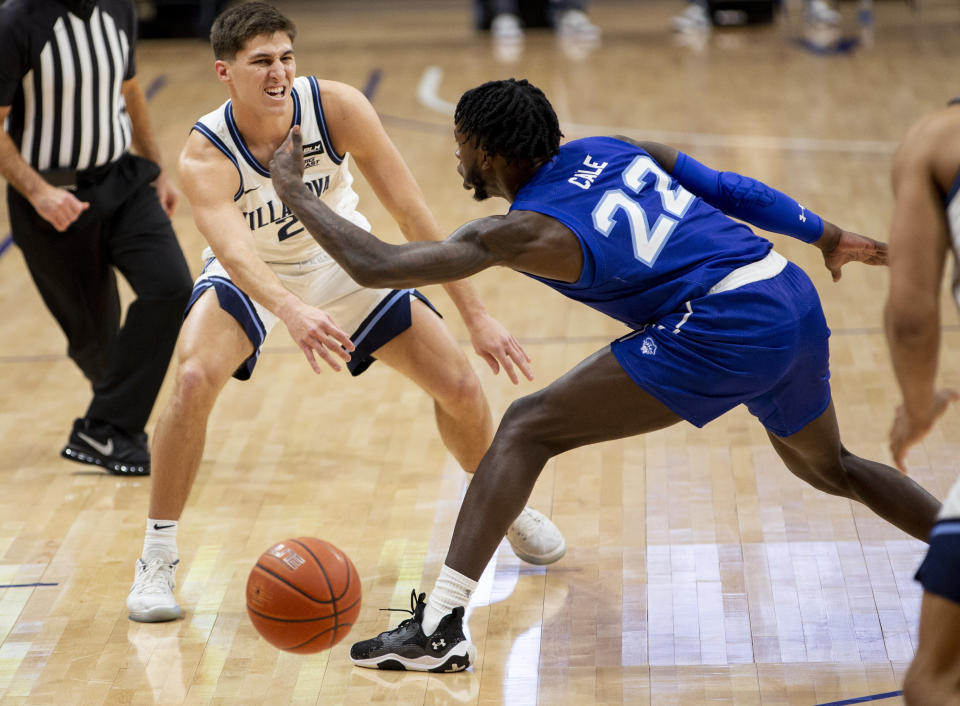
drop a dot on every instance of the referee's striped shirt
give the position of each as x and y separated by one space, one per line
61 75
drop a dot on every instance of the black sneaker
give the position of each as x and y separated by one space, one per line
406 647
102 444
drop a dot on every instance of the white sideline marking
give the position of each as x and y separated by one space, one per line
428 95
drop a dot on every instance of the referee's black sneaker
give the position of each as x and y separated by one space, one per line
406 647
102 444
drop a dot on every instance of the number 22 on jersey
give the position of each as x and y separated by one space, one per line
647 241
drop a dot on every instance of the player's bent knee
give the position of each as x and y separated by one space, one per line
530 420
195 384
833 481
828 476
460 391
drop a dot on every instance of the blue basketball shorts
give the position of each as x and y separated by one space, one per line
375 316
762 343
940 569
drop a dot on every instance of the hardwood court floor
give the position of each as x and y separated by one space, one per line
698 571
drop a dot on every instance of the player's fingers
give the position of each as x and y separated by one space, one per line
326 353
898 450
522 360
491 361
515 345
308 352
341 338
899 462
338 349
508 369
328 346
297 139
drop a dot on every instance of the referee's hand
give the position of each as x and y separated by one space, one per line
58 206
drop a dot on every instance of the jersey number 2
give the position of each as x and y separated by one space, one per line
647 242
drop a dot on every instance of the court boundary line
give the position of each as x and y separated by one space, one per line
863 699
428 93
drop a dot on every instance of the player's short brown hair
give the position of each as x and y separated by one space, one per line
235 26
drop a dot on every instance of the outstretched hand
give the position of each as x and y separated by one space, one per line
852 247
317 336
286 167
492 342
907 430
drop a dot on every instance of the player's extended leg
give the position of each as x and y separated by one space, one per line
212 345
428 354
934 676
210 348
816 455
595 401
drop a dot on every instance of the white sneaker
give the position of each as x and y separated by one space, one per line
506 27
819 12
535 539
151 598
693 19
575 23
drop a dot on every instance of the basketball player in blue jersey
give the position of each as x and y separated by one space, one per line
262 267
637 231
926 226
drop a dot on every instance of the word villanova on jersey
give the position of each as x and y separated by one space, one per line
278 235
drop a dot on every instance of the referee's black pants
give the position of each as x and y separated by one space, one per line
125 228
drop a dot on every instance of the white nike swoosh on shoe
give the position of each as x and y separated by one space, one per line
105 449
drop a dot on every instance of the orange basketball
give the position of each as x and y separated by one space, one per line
303 595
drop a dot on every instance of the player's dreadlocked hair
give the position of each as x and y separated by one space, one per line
509 118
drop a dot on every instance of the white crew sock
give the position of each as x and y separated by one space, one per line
452 589
160 541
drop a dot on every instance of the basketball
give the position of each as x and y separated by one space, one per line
303 595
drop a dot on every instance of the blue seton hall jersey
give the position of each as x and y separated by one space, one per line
649 245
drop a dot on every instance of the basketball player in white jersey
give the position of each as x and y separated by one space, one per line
926 226
263 267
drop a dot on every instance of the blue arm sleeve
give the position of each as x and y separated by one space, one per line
748 199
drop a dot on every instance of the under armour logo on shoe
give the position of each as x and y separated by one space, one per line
648 347
439 644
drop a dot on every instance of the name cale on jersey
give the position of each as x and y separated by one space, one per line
585 177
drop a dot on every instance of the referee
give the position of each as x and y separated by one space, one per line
82 206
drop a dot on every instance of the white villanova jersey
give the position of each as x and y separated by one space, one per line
278 234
